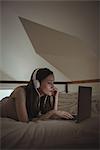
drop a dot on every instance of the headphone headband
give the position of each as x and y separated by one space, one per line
35 73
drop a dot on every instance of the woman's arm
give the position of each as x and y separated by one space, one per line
56 94
53 114
46 116
20 101
57 114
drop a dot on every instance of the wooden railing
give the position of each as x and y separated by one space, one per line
57 82
84 81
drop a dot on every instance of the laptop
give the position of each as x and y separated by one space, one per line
84 104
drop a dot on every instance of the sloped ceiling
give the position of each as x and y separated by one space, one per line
66 52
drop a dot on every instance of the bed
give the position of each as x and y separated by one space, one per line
54 134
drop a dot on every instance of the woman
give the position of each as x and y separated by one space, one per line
37 100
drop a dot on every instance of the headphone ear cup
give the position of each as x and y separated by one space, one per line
37 84
35 81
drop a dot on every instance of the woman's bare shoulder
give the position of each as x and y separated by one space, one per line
19 88
19 92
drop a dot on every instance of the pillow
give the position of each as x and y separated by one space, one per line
68 102
95 104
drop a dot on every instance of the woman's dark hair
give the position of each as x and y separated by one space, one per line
41 74
32 97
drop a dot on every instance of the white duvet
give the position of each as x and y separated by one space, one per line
49 134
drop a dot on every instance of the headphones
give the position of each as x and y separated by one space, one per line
35 81
37 84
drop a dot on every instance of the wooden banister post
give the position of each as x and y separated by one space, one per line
66 88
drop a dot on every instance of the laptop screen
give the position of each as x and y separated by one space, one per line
84 103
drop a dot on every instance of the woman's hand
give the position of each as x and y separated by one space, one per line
63 114
55 92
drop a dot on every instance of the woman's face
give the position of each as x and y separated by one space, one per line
47 85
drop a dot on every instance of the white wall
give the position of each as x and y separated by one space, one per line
75 18
19 57
0 40
99 37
